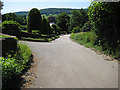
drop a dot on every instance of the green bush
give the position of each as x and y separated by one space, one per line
86 38
52 30
59 30
6 24
11 27
45 26
76 29
23 27
63 32
34 20
87 27
23 53
13 66
105 16
10 70
55 28
36 32
8 45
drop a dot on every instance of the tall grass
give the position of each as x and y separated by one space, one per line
85 38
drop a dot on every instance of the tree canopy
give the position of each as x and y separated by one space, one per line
78 18
105 16
34 20
45 26
13 17
62 21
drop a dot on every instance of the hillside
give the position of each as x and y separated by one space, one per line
48 11
55 11
21 13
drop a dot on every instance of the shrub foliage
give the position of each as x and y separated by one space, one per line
11 27
13 66
105 16
45 26
76 29
34 20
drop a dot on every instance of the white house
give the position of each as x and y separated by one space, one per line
51 23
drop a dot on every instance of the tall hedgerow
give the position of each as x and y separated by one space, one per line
34 20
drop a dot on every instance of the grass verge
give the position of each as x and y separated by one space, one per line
89 39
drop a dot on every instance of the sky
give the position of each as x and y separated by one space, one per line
26 5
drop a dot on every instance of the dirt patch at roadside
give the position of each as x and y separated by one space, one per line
106 57
30 75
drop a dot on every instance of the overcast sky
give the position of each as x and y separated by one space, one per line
26 5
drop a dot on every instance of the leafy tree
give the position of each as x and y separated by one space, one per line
55 28
13 17
45 26
34 20
21 19
52 30
49 28
106 16
62 21
76 19
9 16
53 11
88 26
84 16
24 19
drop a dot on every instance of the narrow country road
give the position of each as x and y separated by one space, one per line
65 64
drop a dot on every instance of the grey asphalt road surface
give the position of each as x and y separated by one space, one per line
65 64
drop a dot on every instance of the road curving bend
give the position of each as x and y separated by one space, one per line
65 64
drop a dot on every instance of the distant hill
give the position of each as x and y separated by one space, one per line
21 13
56 11
48 11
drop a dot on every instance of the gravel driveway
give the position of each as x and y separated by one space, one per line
65 64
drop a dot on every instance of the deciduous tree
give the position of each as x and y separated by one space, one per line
63 21
76 19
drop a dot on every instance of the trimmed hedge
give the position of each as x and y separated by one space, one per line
23 27
8 45
14 66
28 34
11 28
